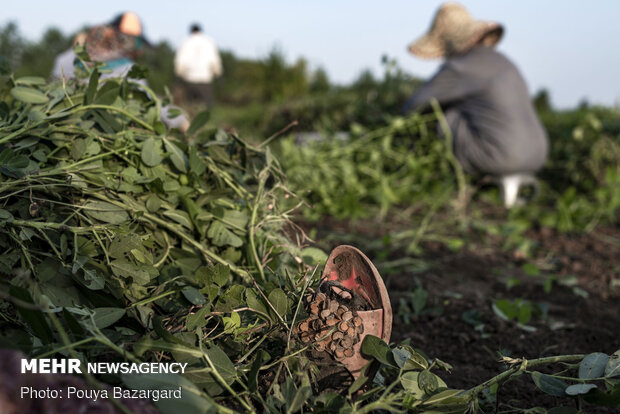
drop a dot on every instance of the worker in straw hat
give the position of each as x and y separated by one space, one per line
115 44
485 99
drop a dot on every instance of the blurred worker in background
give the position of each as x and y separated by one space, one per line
198 63
485 99
116 44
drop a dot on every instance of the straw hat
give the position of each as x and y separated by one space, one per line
455 31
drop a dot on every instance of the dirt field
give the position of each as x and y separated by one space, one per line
458 324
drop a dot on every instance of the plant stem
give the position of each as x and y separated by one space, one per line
522 367
19 132
252 225
41 225
152 299
218 377
68 346
458 170
115 109
299 303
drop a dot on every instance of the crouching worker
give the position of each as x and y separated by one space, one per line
485 99
116 44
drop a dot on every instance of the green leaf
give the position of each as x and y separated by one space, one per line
505 309
106 212
234 218
298 400
12 164
192 400
159 127
443 365
34 318
220 235
375 347
92 280
613 365
361 380
107 94
604 399
231 255
279 301
217 273
153 203
122 267
123 243
548 384
230 299
29 95
400 355
30 80
151 152
255 302
409 381
262 357
222 364
72 322
427 381
193 295
525 313
579 389
178 158
416 362
105 317
91 90
198 122
211 292
78 149
180 217
35 115
593 365
420 295
196 164
5 217
197 320
531 269
138 72
313 256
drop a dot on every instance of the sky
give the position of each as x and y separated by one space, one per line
569 47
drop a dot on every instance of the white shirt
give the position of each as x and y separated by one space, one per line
198 60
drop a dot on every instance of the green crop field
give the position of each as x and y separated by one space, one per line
123 241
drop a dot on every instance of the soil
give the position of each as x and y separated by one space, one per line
458 324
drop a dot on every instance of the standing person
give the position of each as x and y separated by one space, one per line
486 102
198 63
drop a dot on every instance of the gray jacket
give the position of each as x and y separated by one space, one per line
487 105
